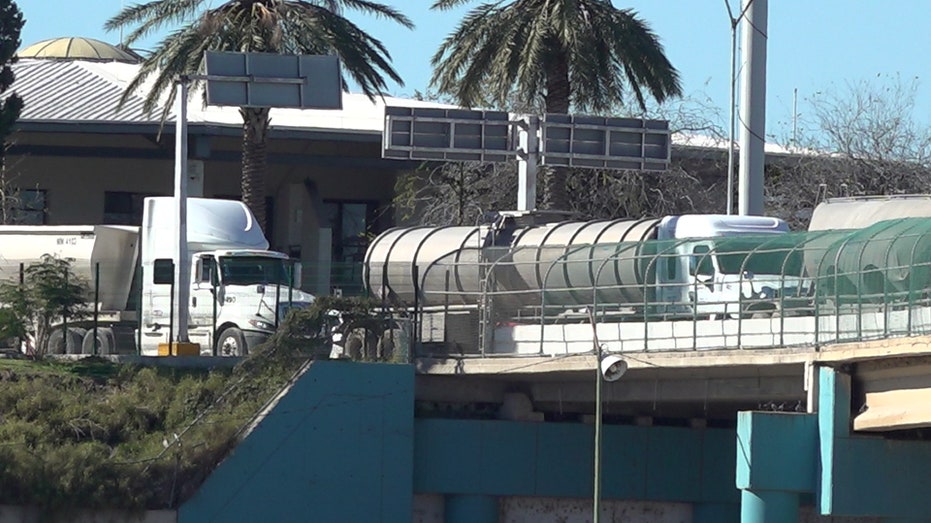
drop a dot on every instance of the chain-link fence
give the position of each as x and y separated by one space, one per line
726 292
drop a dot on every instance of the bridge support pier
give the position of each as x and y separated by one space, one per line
781 455
768 506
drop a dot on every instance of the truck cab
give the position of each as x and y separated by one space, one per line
240 290
726 265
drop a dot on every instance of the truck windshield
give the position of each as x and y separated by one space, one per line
254 270
759 255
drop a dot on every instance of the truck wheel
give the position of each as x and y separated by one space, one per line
75 340
231 342
104 341
361 344
56 342
393 346
61 342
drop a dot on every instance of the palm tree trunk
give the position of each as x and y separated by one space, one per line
554 194
254 160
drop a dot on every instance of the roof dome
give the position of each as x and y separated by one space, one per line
73 48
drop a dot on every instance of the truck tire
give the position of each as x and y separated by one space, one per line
105 341
231 342
393 345
75 340
61 342
361 345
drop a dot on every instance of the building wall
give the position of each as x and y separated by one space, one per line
77 169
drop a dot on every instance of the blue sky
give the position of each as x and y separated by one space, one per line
814 45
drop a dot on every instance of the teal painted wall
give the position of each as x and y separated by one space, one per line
344 446
506 458
785 458
337 448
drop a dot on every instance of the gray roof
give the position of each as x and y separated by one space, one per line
64 90
82 91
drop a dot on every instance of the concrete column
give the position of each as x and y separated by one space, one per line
768 506
463 508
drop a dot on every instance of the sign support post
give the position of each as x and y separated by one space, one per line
527 156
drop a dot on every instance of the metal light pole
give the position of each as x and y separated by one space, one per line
733 115
607 368
596 503
182 276
752 107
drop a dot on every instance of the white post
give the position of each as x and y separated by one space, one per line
752 107
182 264
527 163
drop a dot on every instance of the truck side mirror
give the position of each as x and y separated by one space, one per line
163 271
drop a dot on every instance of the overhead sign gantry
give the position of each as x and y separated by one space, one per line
555 139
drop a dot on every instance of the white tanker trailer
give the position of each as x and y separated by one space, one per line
856 212
871 249
239 289
673 266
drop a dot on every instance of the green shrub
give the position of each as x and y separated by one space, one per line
95 434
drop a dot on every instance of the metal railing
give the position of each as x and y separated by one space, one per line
732 292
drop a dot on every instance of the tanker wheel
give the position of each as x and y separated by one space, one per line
392 346
56 342
105 342
361 345
61 342
74 340
231 342
758 310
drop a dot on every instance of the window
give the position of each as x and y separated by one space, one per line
700 263
672 264
779 254
254 270
123 208
30 207
350 221
207 267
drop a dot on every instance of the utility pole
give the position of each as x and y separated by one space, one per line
752 107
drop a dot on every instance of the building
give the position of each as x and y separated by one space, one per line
79 157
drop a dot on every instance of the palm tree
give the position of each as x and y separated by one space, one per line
583 54
272 26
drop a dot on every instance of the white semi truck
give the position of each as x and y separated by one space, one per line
239 289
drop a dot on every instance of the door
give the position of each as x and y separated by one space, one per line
203 292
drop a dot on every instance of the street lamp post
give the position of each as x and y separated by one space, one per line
596 504
608 368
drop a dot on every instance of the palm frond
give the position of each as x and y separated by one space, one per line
598 52
152 16
281 26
